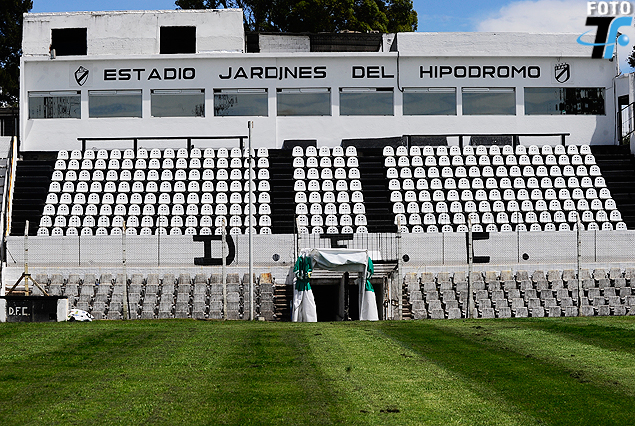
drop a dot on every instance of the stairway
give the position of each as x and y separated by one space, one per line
282 297
281 183
375 187
618 169
31 188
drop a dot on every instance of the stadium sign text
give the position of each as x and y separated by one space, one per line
274 73
124 74
478 71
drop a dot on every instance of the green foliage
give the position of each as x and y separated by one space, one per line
315 16
534 371
631 59
11 48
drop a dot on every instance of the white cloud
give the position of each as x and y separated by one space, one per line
541 16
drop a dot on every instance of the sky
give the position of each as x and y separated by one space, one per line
448 15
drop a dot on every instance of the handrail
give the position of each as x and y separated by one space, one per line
9 186
515 136
626 121
189 139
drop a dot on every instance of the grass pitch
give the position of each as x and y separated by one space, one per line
566 371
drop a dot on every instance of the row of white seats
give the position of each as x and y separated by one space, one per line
325 162
502 217
332 208
485 160
500 206
156 164
395 184
163 198
102 231
506 227
314 185
324 151
144 153
485 150
150 210
122 197
158 186
149 221
332 230
495 195
329 197
314 173
518 184
331 220
489 172
153 175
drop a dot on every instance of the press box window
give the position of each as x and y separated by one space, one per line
366 101
177 40
304 102
564 101
429 101
178 103
55 104
489 101
68 41
114 103
240 102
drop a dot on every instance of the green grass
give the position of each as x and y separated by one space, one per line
567 371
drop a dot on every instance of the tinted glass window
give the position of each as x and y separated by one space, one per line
489 101
564 100
429 101
304 102
114 103
366 101
178 103
240 102
54 105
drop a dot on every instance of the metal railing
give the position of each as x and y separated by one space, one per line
188 140
625 122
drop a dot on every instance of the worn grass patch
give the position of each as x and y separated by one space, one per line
466 372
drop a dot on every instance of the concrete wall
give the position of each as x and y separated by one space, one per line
41 74
287 43
434 252
135 32
502 44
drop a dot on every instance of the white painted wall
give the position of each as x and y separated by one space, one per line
41 74
400 69
484 44
135 32
443 251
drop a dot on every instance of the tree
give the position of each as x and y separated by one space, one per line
318 15
11 48
631 59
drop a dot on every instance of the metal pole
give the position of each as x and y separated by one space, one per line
470 261
224 273
399 279
579 256
26 258
126 310
250 125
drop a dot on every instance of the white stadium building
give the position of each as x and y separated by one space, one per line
483 168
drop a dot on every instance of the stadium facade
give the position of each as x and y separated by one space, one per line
133 129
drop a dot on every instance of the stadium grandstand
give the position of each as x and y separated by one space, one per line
486 174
